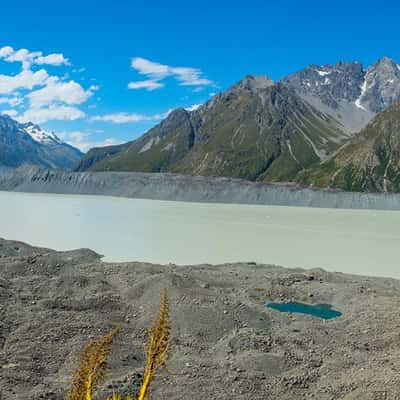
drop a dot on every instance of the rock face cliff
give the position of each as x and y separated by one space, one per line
165 186
28 144
329 83
347 92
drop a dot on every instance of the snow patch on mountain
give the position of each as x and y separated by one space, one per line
40 135
364 88
323 73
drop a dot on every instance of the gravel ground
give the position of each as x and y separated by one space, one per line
227 344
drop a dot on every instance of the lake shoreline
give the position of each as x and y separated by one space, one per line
171 187
227 343
184 233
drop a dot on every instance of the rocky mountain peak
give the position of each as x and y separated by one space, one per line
40 135
254 83
348 92
6 122
178 114
331 84
251 84
29 125
385 62
381 86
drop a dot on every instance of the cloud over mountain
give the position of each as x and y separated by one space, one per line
37 95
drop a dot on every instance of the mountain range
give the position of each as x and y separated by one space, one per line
28 144
256 130
305 128
332 126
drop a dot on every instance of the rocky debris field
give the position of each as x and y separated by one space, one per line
227 344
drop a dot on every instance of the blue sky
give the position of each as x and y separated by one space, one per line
99 72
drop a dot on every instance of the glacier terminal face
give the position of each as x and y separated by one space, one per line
165 186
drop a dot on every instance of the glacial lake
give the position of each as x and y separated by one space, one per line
352 241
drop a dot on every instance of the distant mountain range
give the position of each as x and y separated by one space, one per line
327 125
28 144
311 127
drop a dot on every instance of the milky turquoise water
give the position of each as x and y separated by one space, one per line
324 311
353 241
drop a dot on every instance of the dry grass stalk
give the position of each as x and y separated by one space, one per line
92 367
157 346
93 363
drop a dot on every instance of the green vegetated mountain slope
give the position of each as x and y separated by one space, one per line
369 162
257 130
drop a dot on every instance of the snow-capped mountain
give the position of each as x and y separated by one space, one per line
40 135
348 92
22 144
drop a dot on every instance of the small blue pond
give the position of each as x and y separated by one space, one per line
324 311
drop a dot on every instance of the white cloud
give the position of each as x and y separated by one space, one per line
51 113
26 79
50 97
149 84
11 113
28 58
55 59
82 141
190 76
74 135
57 91
6 51
156 72
152 69
23 56
79 70
124 117
57 97
11 101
